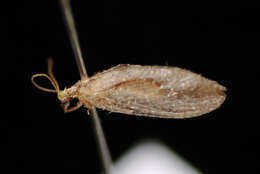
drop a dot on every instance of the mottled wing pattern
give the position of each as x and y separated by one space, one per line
159 91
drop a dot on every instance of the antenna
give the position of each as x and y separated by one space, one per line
69 21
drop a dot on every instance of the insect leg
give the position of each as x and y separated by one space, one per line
79 104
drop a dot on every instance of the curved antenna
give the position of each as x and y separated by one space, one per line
50 77
50 72
43 88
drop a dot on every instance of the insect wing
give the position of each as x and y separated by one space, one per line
158 91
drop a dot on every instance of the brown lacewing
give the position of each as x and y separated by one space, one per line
152 91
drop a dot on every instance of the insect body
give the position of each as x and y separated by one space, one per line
154 91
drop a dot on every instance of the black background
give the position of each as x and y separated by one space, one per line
219 41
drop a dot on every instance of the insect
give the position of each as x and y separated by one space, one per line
153 91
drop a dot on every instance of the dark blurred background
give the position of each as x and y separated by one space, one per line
219 41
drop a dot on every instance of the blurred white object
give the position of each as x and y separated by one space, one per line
152 158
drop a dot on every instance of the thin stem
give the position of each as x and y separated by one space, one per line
69 20
70 25
107 161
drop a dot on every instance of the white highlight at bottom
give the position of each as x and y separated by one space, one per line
152 158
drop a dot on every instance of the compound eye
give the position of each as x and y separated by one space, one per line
65 104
